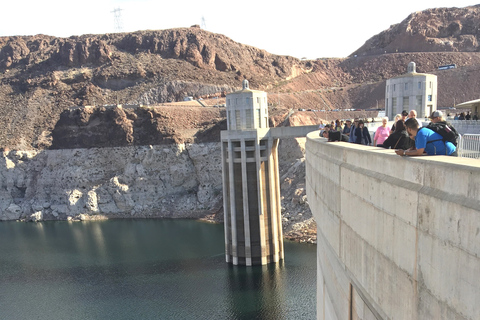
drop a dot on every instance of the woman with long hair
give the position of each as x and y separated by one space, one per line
398 139
362 136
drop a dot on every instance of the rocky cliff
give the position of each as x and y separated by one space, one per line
174 181
181 180
136 126
432 30
42 76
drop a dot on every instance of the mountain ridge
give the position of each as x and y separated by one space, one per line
43 77
431 30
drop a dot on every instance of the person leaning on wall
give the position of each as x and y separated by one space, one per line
399 138
426 141
334 135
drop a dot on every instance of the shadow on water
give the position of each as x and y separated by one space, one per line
256 292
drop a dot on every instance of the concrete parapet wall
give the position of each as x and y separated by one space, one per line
398 237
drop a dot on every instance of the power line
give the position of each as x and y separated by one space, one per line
204 23
117 20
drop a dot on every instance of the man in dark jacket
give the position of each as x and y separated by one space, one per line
334 135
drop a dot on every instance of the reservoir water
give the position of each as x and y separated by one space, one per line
144 269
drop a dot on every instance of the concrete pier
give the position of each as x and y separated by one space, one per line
253 230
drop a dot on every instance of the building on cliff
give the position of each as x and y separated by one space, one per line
411 91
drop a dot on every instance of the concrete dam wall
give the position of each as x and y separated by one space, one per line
397 237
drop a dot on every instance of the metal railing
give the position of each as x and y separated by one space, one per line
469 146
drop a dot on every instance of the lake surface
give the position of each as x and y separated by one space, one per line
145 269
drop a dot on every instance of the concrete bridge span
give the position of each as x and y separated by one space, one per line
397 237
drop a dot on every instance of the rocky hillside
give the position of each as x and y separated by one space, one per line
168 181
432 30
100 127
42 76
43 79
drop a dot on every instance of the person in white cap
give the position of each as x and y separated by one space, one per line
440 125
437 116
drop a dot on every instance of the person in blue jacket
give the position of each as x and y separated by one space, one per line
351 137
426 141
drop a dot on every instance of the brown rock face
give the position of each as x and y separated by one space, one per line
206 50
433 30
75 53
13 51
43 79
119 127
41 76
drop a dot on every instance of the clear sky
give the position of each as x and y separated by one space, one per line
301 28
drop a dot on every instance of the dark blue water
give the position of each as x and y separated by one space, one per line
144 269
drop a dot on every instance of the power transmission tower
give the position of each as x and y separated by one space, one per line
204 23
117 20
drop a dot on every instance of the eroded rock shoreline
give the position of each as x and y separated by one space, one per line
175 181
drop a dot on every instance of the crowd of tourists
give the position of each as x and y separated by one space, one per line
407 135
463 116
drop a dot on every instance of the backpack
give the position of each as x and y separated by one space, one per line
447 131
